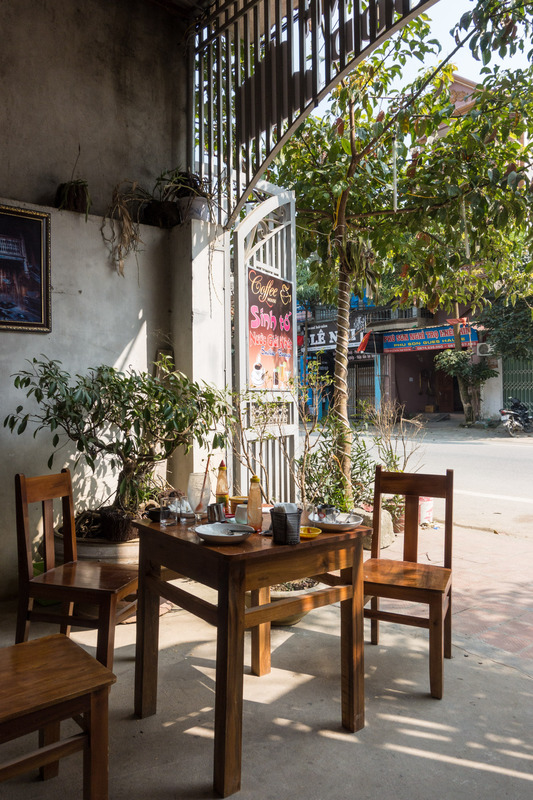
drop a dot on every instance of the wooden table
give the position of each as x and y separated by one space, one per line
253 565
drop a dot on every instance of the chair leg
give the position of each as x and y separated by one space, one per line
49 735
374 623
436 648
68 610
95 754
106 631
448 629
25 606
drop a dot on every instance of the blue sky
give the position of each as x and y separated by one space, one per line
444 15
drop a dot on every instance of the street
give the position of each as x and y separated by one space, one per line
493 476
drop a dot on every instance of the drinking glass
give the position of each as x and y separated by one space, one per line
198 498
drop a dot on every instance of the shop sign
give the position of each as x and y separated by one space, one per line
440 338
323 335
270 331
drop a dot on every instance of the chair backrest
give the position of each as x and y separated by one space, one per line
413 486
44 489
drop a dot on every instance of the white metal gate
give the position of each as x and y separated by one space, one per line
264 244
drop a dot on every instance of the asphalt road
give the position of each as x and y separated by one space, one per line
493 476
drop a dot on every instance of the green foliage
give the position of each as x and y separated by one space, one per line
323 478
452 170
307 292
459 364
510 327
133 420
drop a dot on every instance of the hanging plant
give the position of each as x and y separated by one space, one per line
74 194
120 226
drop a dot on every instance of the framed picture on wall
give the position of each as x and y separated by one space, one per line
24 270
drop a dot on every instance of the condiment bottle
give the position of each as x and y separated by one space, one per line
222 492
255 504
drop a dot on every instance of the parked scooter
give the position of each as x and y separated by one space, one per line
516 419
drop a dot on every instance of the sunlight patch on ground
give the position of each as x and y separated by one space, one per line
191 716
204 733
508 740
435 737
459 762
419 723
338 736
292 724
269 689
514 754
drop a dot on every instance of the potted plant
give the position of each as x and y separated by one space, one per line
178 195
74 196
132 421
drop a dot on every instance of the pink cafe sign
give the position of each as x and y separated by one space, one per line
439 338
270 331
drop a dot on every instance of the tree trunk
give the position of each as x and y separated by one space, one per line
340 402
466 400
464 389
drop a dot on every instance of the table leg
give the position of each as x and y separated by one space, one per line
229 682
261 635
147 646
352 646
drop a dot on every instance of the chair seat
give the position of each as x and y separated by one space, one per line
45 672
384 572
44 682
89 577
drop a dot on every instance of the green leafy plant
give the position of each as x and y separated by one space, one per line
132 420
459 364
322 477
176 184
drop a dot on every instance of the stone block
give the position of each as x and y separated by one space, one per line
387 533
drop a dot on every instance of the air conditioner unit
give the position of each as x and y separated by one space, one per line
485 349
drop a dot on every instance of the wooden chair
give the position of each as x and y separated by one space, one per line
409 580
42 683
73 582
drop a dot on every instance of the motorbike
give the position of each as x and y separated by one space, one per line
517 418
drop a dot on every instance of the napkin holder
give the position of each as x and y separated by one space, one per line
285 526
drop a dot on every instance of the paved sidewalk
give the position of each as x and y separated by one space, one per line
492 592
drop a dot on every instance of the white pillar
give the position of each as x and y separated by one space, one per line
200 322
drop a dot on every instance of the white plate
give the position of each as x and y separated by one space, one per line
223 532
345 522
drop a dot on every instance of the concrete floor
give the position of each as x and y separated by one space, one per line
475 743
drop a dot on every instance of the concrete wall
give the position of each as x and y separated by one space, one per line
492 392
200 331
108 77
97 318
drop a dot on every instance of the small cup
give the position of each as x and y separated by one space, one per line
241 514
215 512
331 514
167 510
